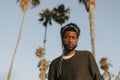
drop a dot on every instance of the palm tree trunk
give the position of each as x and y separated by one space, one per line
19 36
45 39
106 75
92 27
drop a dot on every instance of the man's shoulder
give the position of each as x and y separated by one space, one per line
83 52
56 60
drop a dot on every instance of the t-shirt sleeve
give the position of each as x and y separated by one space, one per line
94 69
51 72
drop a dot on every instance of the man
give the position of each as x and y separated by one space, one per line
73 64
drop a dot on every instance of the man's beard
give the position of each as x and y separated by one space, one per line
68 50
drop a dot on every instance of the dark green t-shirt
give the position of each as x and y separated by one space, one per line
81 66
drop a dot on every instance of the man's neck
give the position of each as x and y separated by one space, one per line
68 53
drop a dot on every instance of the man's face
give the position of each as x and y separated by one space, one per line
70 40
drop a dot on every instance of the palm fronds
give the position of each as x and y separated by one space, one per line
88 3
104 64
40 52
46 17
24 4
59 15
35 3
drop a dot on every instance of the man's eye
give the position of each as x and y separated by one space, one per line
66 37
74 37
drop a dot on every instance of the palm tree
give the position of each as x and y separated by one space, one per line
43 64
104 65
59 15
24 4
90 5
117 76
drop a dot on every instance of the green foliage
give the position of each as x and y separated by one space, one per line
82 1
24 3
117 76
59 15
85 2
104 64
35 2
46 17
40 52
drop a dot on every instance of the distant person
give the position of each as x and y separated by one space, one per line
73 64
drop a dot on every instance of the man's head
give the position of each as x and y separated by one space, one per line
69 35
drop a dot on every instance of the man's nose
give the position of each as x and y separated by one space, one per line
70 39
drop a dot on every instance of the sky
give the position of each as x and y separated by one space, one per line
107 39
